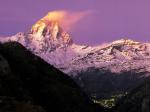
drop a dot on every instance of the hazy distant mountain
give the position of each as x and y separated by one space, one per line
103 70
29 84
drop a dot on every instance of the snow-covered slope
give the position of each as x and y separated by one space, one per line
48 40
120 55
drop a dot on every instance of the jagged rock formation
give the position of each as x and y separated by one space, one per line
49 32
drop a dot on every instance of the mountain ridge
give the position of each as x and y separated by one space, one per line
130 50
27 78
101 71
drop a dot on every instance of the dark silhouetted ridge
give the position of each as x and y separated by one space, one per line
28 79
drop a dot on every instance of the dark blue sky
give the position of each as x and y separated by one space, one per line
110 20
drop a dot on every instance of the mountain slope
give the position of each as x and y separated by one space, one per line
11 104
101 84
136 101
28 78
118 56
102 71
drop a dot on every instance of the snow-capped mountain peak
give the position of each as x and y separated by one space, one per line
45 35
48 40
49 27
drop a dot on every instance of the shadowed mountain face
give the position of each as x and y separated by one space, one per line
137 101
105 84
25 77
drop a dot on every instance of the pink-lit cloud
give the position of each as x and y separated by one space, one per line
67 19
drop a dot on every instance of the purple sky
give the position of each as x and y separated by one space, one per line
111 20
